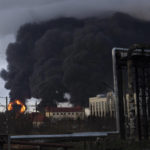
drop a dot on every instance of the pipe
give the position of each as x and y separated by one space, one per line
115 83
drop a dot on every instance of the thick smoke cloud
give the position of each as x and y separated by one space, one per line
43 64
68 55
4 41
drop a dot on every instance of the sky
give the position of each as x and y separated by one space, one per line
14 13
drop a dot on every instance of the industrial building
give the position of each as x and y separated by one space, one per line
131 71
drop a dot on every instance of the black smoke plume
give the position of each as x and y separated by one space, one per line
69 55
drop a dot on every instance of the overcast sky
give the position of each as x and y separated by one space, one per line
14 13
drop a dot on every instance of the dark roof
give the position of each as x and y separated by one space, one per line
64 109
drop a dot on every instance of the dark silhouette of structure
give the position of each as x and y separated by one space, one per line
132 77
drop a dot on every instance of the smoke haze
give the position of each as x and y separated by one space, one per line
17 12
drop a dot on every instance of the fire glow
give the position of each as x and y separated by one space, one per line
19 103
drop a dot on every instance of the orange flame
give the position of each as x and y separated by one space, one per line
10 106
17 102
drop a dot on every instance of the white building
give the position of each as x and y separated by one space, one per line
102 105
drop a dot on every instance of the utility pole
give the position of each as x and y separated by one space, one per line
6 134
7 124
6 103
36 106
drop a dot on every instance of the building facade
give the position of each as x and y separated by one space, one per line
102 105
64 113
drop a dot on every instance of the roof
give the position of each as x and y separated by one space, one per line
64 109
